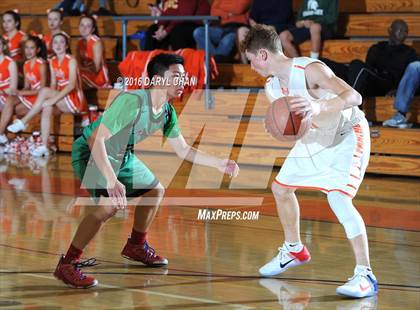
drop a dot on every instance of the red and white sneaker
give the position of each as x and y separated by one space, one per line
143 253
71 274
284 260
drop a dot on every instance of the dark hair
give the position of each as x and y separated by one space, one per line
161 62
15 16
42 53
58 11
66 37
261 36
94 24
5 46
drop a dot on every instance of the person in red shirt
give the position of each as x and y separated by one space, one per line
90 55
13 34
65 93
222 36
35 72
55 21
176 34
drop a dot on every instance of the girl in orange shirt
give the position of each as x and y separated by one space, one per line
65 93
55 21
35 72
8 82
15 37
90 55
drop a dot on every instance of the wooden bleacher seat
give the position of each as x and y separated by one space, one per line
338 50
350 25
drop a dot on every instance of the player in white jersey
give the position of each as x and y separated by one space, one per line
332 157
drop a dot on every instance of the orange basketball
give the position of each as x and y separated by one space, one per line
283 124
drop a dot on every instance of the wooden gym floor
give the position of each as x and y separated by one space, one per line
214 264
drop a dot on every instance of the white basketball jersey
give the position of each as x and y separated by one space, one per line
324 123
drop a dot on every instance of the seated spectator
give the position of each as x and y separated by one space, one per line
385 64
71 7
35 73
55 21
176 34
103 11
317 21
14 36
278 14
406 90
90 55
65 94
8 75
222 36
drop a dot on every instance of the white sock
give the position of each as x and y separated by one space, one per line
362 268
294 246
314 55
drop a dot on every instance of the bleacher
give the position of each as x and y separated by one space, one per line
361 24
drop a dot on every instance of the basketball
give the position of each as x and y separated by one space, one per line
283 124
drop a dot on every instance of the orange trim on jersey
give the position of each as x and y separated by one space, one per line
354 176
315 188
352 186
299 67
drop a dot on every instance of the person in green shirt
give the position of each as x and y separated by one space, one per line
315 21
104 160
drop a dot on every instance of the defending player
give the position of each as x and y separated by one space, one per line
332 157
115 171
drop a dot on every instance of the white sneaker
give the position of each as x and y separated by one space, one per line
284 260
361 284
17 126
40 151
3 139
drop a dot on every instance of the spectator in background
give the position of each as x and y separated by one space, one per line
317 21
35 73
77 7
55 21
65 93
176 34
14 36
278 14
90 55
407 88
385 64
8 75
222 36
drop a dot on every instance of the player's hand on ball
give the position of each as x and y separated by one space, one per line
304 107
229 167
116 192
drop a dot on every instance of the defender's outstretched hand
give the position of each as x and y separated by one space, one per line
229 167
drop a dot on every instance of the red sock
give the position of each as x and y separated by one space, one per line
138 237
72 254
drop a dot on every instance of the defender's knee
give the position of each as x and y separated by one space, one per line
105 213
